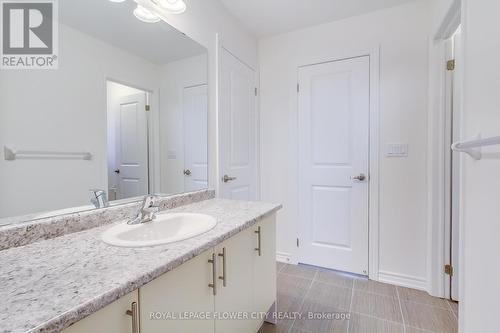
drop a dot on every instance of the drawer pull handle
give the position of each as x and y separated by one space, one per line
213 285
259 235
134 313
223 276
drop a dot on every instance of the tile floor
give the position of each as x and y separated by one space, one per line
366 306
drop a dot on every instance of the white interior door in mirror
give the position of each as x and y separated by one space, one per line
238 132
334 164
132 147
195 112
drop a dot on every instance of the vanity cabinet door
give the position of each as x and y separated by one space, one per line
167 301
110 319
264 262
235 258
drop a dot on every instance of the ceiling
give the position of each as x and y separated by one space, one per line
115 24
270 17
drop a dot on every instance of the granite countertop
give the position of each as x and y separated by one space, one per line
48 285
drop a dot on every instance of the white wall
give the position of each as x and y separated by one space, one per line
203 21
62 110
402 34
440 10
175 77
481 224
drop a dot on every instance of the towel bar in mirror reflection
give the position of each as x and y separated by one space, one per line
11 155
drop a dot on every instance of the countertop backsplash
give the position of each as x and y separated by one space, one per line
28 232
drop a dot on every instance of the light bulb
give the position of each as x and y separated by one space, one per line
145 15
173 6
117 1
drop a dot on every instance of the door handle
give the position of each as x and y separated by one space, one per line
187 172
223 276
361 177
134 313
117 171
227 179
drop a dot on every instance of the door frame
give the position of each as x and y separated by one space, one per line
374 147
438 241
221 47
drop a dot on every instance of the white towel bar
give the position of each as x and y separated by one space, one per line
473 147
11 155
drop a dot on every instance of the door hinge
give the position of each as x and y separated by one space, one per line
450 65
298 242
448 269
298 87
148 108
256 91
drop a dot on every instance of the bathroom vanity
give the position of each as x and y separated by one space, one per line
223 280
234 278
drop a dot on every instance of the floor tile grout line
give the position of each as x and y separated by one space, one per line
373 293
423 330
378 318
401 310
304 298
350 307
451 308
428 305
297 276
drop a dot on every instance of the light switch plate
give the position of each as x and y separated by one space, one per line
397 150
171 154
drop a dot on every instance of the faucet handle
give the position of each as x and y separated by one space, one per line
97 192
150 201
99 199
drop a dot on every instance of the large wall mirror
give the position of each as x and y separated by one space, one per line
125 112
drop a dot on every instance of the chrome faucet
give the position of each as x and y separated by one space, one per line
99 198
147 212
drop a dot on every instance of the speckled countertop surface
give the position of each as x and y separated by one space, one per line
49 285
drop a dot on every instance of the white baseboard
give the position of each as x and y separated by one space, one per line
403 280
284 257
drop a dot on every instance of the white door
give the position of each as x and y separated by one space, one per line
195 138
334 153
238 130
132 147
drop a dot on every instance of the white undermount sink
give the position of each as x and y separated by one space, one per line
166 228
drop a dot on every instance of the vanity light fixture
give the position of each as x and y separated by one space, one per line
145 15
172 6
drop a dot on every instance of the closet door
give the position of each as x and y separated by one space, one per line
185 290
264 266
118 317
